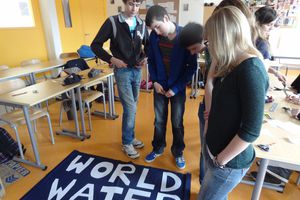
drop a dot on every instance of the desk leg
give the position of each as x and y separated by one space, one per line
68 132
260 179
192 87
111 101
81 113
32 79
33 143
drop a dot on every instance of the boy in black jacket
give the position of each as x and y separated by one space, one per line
127 34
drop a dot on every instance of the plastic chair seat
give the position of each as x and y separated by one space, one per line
17 116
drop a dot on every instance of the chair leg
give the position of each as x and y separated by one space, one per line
47 105
89 115
50 128
18 141
104 106
34 125
60 113
298 181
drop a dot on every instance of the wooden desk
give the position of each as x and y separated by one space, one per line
33 95
31 70
283 153
88 82
106 74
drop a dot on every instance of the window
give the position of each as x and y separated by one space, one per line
16 13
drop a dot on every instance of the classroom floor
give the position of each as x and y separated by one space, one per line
106 142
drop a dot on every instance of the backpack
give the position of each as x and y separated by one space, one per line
8 146
75 65
114 27
85 52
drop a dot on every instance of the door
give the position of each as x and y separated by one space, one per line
93 13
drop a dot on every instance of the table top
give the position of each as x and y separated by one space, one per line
87 82
37 93
15 72
282 130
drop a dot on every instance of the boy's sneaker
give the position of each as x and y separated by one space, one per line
130 151
151 157
180 162
137 144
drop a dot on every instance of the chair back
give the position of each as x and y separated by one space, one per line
69 55
4 67
11 85
30 62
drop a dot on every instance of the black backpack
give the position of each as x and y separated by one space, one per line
8 146
75 65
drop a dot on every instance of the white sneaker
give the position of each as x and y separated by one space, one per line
130 151
137 143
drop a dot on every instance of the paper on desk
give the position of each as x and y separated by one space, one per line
293 130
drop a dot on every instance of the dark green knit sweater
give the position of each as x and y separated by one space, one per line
237 108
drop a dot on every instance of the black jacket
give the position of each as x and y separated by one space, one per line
123 46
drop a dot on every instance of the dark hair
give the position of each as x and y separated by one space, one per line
140 1
191 34
155 12
265 15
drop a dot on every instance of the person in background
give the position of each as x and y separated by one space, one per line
240 83
266 18
191 36
170 68
127 58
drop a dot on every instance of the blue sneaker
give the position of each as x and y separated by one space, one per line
180 162
151 157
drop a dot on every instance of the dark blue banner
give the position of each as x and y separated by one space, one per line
85 176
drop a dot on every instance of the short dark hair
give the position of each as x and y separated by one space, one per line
191 34
139 1
265 15
155 12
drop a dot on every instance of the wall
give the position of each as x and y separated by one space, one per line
71 38
19 44
195 12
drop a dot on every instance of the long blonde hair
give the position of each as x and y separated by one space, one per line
229 34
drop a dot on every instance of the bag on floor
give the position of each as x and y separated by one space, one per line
8 145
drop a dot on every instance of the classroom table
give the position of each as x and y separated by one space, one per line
280 131
87 82
31 70
107 73
33 95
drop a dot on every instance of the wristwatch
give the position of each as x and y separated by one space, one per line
216 162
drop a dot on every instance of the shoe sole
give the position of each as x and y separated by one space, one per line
133 156
139 146
150 161
180 167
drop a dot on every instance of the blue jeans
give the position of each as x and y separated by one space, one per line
202 124
217 182
160 123
128 83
